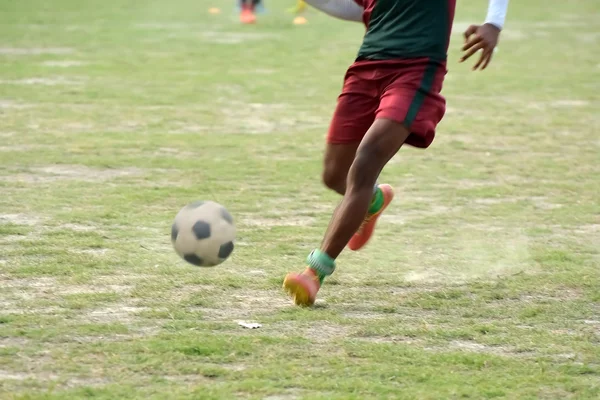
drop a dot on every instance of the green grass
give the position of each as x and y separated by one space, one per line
483 278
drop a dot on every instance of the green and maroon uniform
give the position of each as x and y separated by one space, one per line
399 70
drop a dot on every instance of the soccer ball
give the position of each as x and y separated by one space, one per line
203 233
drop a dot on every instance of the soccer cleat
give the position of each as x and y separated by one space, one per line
302 287
364 233
247 16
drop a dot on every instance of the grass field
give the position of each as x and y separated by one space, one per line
483 279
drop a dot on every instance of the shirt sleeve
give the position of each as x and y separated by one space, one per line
496 15
349 10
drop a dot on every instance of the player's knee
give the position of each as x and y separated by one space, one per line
365 169
334 179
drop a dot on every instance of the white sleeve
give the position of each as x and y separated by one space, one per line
342 9
497 13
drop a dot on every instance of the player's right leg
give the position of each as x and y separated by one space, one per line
354 114
336 163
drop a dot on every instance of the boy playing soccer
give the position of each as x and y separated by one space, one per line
391 96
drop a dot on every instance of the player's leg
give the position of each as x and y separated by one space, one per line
410 107
411 97
353 115
380 144
382 141
336 164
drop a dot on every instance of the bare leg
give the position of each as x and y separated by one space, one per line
380 144
337 162
383 139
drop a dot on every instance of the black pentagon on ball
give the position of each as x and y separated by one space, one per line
226 216
195 204
225 250
201 230
174 232
193 259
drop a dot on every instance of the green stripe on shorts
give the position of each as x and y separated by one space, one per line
424 88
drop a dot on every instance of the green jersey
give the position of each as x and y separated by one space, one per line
398 29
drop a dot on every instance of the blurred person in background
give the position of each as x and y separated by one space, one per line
248 9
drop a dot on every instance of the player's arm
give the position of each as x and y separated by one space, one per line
347 10
485 37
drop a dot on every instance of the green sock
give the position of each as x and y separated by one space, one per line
321 263
377 201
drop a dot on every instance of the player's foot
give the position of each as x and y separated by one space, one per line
302 287
247 16
364 233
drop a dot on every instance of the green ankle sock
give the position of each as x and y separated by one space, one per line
321 263
377 201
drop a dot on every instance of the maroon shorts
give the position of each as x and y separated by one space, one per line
406 91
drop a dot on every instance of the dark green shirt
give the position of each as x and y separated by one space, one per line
400 29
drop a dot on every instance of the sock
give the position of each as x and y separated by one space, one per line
321 263
377 201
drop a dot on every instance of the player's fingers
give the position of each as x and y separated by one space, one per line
470 30
471 51
471 42
487 60
480 61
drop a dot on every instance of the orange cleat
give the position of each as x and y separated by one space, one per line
247 16
302 287
364 233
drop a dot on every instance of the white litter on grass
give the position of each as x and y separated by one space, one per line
249 325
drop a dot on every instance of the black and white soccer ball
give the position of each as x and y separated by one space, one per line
203 233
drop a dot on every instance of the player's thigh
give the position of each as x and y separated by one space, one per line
381 142
413 99
337 161
353 116
355 109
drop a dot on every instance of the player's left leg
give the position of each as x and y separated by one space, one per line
411 97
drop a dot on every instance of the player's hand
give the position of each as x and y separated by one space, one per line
480 37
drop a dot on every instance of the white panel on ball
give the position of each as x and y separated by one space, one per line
203 233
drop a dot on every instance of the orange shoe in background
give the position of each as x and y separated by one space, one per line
247 16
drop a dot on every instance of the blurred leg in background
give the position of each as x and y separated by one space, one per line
248 8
